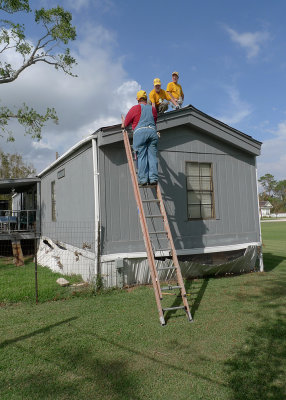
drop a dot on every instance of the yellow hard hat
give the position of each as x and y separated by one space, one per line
175 73
141 95
157 82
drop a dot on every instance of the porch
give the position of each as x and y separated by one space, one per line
20 213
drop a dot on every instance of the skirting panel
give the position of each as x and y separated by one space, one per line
136 271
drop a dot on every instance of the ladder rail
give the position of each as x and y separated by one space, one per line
174 253
148 244
150 256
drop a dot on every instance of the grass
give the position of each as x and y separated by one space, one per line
112 346
18 283
272 219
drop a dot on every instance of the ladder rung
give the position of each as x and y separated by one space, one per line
163 250
163 268
173 308
146 186
170 287
157 199
151 200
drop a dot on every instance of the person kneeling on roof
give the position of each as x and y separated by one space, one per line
143 118
175 90
159 98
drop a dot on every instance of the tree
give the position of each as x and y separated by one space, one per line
13 166
280 190
268 182
56 33
275 192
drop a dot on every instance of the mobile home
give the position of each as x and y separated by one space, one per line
208 178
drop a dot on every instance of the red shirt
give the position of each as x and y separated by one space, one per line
134 114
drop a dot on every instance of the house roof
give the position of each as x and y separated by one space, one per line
265 204
19 185
191 116
188 115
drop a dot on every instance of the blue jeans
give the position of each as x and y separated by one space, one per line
145 143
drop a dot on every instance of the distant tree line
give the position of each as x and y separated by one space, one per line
13 166
274 192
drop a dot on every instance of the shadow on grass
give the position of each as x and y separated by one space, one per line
81 373
152 357
193 288
29 260
10 262
76 374
38 331
83 377
105 380
198 295
257 370
271 261
112 378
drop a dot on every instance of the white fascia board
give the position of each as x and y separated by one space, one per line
184 252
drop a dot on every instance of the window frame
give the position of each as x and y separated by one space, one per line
211 191
61 173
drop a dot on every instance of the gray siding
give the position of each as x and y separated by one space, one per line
74 200
234 175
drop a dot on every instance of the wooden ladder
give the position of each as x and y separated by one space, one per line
148 244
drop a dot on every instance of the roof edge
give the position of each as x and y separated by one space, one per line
173 114
190 115
68 152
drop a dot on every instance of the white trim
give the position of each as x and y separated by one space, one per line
68 152
96 199
261 264
204 250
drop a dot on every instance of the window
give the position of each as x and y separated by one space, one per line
61 173
53 198
200 190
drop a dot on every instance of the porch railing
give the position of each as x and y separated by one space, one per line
17 220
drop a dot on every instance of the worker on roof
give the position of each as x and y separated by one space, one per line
175 90
143 118
159 98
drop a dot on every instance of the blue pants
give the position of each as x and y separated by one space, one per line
145 143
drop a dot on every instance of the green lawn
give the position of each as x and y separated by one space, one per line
112 346
18 283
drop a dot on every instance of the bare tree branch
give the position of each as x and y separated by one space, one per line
57 31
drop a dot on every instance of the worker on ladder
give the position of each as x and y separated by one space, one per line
143 118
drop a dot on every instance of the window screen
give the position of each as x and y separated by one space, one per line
200 190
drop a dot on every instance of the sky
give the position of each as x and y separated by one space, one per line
230 56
